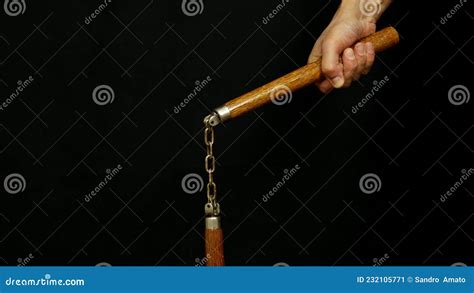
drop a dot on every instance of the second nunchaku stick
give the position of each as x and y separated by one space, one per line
302 77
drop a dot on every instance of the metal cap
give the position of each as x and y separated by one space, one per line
223 112
213 223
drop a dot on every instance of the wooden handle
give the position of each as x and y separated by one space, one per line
304 76
214 242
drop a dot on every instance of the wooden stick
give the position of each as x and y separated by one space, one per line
214 242
304 76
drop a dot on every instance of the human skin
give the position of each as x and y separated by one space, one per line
341 64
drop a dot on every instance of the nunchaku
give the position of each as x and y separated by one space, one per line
293 81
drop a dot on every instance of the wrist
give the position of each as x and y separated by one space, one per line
363 10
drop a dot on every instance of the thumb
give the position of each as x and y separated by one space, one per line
331 65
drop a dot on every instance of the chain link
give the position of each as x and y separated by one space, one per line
210 165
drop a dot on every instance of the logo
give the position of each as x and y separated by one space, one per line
14 183
281 95
192 183
369 7
370 183
14 7
192 7
458 95
103 95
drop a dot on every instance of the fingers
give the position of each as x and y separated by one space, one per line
331 66
370 58
357 62
325 86
361 54
350 65
354 63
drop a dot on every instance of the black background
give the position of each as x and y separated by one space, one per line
151 54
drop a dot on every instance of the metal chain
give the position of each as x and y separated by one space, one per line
212 207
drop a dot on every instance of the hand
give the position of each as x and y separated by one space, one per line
340 63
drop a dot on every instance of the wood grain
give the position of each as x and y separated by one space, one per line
214 247
304 76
